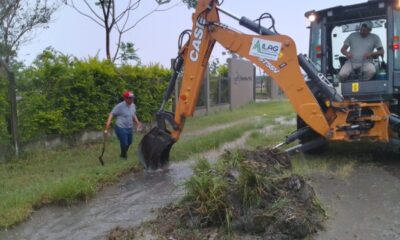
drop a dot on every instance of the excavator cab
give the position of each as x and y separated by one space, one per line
328 30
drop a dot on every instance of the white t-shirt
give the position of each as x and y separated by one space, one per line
359 45
124 114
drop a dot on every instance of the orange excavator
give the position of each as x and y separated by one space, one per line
324 113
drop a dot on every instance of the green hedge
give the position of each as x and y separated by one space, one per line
148 84
63 95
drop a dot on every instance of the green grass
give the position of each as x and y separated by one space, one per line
270 109
56 176
69 174
270 139
303 164
254 192
340 158
184 149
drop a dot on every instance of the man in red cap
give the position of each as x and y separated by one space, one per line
125 112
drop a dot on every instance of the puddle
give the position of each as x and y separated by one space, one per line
127 203
285 121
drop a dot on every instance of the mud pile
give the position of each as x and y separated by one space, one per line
245 195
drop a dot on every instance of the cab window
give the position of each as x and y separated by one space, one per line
340 33
396 40
315 44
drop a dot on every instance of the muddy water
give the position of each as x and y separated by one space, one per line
127 203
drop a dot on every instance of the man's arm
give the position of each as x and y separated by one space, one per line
108 123
138 123
380 51
375 54
344 51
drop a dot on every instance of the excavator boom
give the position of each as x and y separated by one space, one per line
276 54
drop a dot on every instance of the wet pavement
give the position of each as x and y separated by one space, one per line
362 206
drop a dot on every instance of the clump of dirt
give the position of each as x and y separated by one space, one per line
245 195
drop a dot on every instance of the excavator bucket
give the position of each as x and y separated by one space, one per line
154 148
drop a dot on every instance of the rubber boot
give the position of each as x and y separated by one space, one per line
124 155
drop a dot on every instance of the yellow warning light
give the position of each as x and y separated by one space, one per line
327 103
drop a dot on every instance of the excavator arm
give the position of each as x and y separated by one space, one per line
275 54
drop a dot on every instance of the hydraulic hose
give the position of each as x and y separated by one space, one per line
171 84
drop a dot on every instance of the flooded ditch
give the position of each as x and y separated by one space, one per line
128 203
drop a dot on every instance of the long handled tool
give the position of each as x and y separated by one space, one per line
103 149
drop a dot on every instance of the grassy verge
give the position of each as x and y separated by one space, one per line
185 149
57 176
304 164
268 109
339 159
65 175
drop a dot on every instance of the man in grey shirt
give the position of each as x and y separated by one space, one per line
362 45
125 112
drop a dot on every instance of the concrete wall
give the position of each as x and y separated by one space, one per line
52 141
241 73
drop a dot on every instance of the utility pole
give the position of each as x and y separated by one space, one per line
13 104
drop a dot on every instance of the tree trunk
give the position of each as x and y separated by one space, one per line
108 53
13 105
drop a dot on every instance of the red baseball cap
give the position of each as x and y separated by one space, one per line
128 94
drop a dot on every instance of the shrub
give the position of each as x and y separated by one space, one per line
64 95
148 84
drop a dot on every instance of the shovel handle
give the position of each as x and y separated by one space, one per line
104 148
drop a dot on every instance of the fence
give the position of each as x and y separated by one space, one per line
266 88
219 91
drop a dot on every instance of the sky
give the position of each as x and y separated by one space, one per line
156 37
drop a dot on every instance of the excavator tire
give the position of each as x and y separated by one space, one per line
309 137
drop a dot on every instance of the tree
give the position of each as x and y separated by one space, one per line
18 19
128 52
190 3
113 18
213 66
